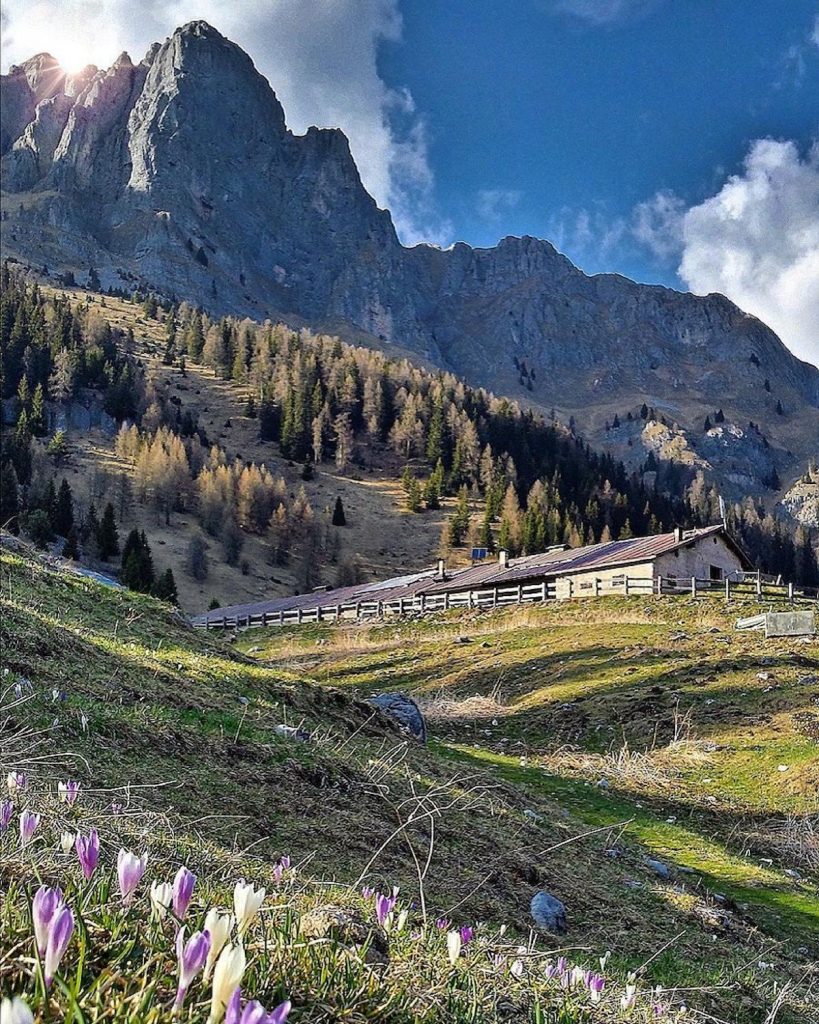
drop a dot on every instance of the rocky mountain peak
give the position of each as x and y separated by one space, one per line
180 174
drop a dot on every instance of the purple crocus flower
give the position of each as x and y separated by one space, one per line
130 870
443 923
183 885
191 956
44 906
59 934
69 791
15 781
467 934
6 811
28 826
88 852
280 868
384 906
595 984
253 1011
116 808
367 892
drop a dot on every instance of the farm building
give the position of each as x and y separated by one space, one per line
638 565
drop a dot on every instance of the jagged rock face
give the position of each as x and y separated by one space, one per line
180 172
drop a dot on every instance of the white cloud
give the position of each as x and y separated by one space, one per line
814 36
657 224
591 238
492 203
320 56
757 241
603 12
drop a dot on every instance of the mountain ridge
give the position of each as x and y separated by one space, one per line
179 173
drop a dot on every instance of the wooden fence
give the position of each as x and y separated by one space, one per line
755 587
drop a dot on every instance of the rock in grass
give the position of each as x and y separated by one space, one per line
289 732
659 869
404 710
548 912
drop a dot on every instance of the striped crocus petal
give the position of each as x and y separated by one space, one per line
88 852
59 935
44 906
183 885
29 821
69 791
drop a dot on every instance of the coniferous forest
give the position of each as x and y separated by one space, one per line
518 480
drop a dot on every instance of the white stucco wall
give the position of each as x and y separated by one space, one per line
697 559
694 560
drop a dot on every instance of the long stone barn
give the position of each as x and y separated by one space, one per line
639 565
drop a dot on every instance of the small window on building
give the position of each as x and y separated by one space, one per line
585 586
618 581
715 572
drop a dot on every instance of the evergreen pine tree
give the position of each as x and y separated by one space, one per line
63 517
71 548
9 498
165 587
339 519
107 536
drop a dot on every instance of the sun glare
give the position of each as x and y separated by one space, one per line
73 55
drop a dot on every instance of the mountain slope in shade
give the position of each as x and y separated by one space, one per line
179 173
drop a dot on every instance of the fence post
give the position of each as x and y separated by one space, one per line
543 591
693 586
727 589
597 586
446 601
298 616
758 587
790 593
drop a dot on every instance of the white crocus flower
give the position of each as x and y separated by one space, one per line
453 946
161 899
246 903
516 970
219 923
226 978
15 1011
67 842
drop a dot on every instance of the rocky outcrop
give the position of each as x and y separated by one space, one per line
179 173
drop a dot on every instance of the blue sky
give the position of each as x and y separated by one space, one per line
558 115
674 141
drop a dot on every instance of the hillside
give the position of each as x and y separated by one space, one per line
183 731
115 171
230 445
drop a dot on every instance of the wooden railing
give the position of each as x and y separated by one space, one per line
496 597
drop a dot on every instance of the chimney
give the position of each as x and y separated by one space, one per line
679 533
503 558
441 569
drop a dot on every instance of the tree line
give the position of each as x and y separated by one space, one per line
519 480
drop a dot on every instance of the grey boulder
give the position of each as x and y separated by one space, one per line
404 710
548 912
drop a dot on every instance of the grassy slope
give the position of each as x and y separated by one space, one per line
373 499
686 722
165 706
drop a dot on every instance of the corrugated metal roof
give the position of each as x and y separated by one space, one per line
376 590
547 564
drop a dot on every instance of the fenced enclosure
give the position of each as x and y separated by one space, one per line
750 586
